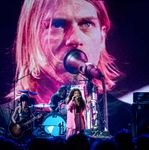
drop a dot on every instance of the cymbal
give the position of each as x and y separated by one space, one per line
42 105
28 92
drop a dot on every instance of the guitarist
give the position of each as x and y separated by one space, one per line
22 114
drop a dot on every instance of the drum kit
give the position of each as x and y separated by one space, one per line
53 123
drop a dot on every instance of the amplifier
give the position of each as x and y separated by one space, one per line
141 97
140 113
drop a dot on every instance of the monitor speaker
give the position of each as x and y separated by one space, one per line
140 113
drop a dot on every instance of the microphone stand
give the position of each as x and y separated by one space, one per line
93 122
94 112
105 109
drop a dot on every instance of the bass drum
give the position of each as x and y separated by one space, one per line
54 124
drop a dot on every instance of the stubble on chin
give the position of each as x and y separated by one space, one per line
66 77
61 73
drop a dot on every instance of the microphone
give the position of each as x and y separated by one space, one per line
76 62
73 98
91 71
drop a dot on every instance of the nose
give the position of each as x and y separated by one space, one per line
73 38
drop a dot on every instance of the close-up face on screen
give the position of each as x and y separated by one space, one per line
66 30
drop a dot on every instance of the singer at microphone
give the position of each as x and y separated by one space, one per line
76 120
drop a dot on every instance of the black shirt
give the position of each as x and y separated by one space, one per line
55 99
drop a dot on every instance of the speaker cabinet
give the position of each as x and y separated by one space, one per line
140 113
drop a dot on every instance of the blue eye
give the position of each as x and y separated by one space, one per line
59 23
86 24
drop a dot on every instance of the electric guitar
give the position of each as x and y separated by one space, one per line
17 130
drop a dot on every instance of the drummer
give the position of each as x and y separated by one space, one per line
57 98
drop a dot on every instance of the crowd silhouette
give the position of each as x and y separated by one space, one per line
122 140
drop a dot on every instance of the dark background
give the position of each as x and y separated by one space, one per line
128 42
